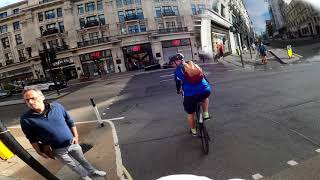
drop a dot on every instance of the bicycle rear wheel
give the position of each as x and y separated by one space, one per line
204 138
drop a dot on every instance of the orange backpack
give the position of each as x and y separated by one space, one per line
192 72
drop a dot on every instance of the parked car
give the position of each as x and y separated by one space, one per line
45 85
4 94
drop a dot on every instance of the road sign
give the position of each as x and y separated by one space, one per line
289 50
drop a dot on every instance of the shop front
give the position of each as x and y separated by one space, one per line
97 63
220 37
63 69
172 47
138 56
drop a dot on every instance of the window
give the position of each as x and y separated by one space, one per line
94 35
18 39
3 15
15 11
91 18
90 7
5 42
102 19
140 14
222 10
20 53
16 26
61 26
130 13
53 43
50 14
8 57
51 26
121 16
215 6
167 9
158 11
201 8
161 26
171 24
119 3
127 2
82 22
80 9
99 5
59 12
3 29
194 9
143 28
40 17
175 10
138 2
133 29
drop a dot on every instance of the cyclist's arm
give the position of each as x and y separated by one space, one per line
178 82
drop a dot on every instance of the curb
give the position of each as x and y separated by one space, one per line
279 59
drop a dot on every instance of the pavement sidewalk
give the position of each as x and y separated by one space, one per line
104 155
282 56
236 59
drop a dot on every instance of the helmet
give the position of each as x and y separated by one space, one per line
178 56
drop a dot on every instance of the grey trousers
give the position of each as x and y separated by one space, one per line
69 154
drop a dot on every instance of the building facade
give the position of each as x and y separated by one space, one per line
225 22
277 16
92 37
302 19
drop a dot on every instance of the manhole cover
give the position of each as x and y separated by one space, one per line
85 147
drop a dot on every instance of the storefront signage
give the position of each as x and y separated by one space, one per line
61 62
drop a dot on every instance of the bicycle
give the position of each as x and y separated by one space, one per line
202 130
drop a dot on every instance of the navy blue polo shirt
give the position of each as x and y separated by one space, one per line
53 127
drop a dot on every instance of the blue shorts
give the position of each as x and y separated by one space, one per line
190 102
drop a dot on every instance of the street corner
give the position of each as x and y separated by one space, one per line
99 143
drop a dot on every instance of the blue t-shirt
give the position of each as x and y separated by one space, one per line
52 128
188 88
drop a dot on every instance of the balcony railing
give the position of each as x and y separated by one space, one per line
60 48
45 1
22 59
169 13
173 30
91 23
131 17
8 62
93 42
50 31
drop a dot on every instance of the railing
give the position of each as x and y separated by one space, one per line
45 1
173 30
91 23
22 59
61 48
93 42
169 13
131 17
8 62
50 31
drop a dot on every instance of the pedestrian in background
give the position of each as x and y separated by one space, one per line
263 53
53 134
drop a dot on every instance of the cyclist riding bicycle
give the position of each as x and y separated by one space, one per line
195 89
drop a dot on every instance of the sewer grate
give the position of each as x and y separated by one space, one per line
85 147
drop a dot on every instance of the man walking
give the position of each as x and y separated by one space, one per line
52 133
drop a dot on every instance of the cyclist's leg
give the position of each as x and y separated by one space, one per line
190 106
191 122
203 97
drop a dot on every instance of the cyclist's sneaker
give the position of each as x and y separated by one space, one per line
193 131
206 116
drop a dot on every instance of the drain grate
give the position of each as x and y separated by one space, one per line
85 147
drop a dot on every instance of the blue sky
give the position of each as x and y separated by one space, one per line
259 13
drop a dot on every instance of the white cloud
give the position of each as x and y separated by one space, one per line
7 2
257 10
315 3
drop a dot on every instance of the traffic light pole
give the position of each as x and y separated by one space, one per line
49 62
17 149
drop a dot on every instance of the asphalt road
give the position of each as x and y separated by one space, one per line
262 119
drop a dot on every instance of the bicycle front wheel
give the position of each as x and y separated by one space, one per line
204 138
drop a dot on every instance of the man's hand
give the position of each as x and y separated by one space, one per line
75 140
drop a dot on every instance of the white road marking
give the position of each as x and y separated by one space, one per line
166 80
103 114
318 150
257 176
292 163
104 120
168 75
